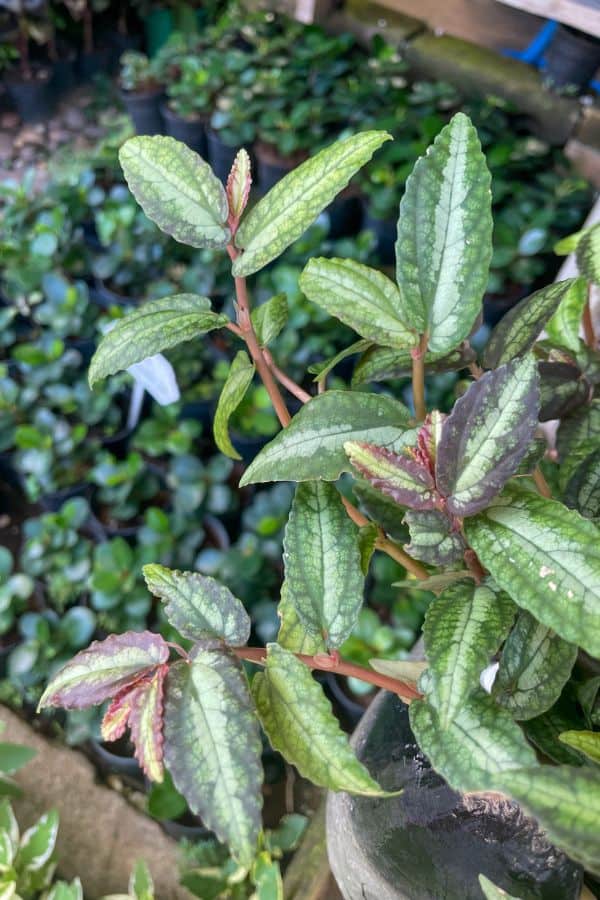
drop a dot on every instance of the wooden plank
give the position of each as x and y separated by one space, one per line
581 14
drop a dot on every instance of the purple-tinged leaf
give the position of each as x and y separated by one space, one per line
563 388
238 188
434 539
402 478
104 669
213 747
146 723
116 717
486 436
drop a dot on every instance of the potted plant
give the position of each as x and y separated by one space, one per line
123 489
93 59
514 565
141 92
28 84
190 96
16 589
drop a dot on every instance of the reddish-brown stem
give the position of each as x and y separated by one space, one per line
472 561
235 328
333 663
285 380
541 483
178 649
418 378
475 370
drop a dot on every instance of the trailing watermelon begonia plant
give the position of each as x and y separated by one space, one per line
512 556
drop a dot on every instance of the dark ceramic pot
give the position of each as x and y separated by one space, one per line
144 110
33 99
191 131
572 58
117 757
430 842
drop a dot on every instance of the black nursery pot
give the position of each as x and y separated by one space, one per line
385 232
32 99
52 502
270 170
191 131
220 155
430 841
572 58
98 62
345 216
117 757
144 110
104 297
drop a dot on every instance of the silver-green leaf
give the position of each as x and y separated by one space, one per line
359 296
563 327
547 558
152 328
299 723
534 666
198 606
462 629
295 202
233 392
213 747
177 189
269 318
322 561
312 445
292 633
588 253
444 242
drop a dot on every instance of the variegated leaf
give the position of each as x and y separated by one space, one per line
295 202
462 629
493 892
238 381
544 731
213 747
299 723
198 606
106 667
486 436
177 189
292 633
238 188
359 296
312 445
152 328
563 327
534 666
323 572
583 490
588 253
381 509
481 744
388 363
517 331
577 438
444 242
433 537
586 742
566 802
399 476
269 318
547 558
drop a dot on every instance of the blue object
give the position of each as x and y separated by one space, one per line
533 54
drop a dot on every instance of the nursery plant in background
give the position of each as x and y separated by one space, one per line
513 561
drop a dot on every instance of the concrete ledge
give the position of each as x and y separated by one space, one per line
100 835
366 19
476 70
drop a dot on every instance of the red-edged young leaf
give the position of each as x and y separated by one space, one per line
106 667
405 480
238 188
141 707
486 436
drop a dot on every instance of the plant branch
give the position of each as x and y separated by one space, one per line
541 483
418 378
285 380
333 663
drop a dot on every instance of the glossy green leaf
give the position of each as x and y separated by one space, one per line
269 318
583 490
566 802
493 892
14 756
141 886
266 876
388 363
152 328
563 327
517 331
213 747
299 723
322 562
544 731
322 369
239 379
586 742
444 242
534 666
106 667
481 744
198 606
295 202
568 244
433 538
177 189
292 633
588 253
312 445
367 540
405 479
547 558
462 629
359 296
486 436
37 843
